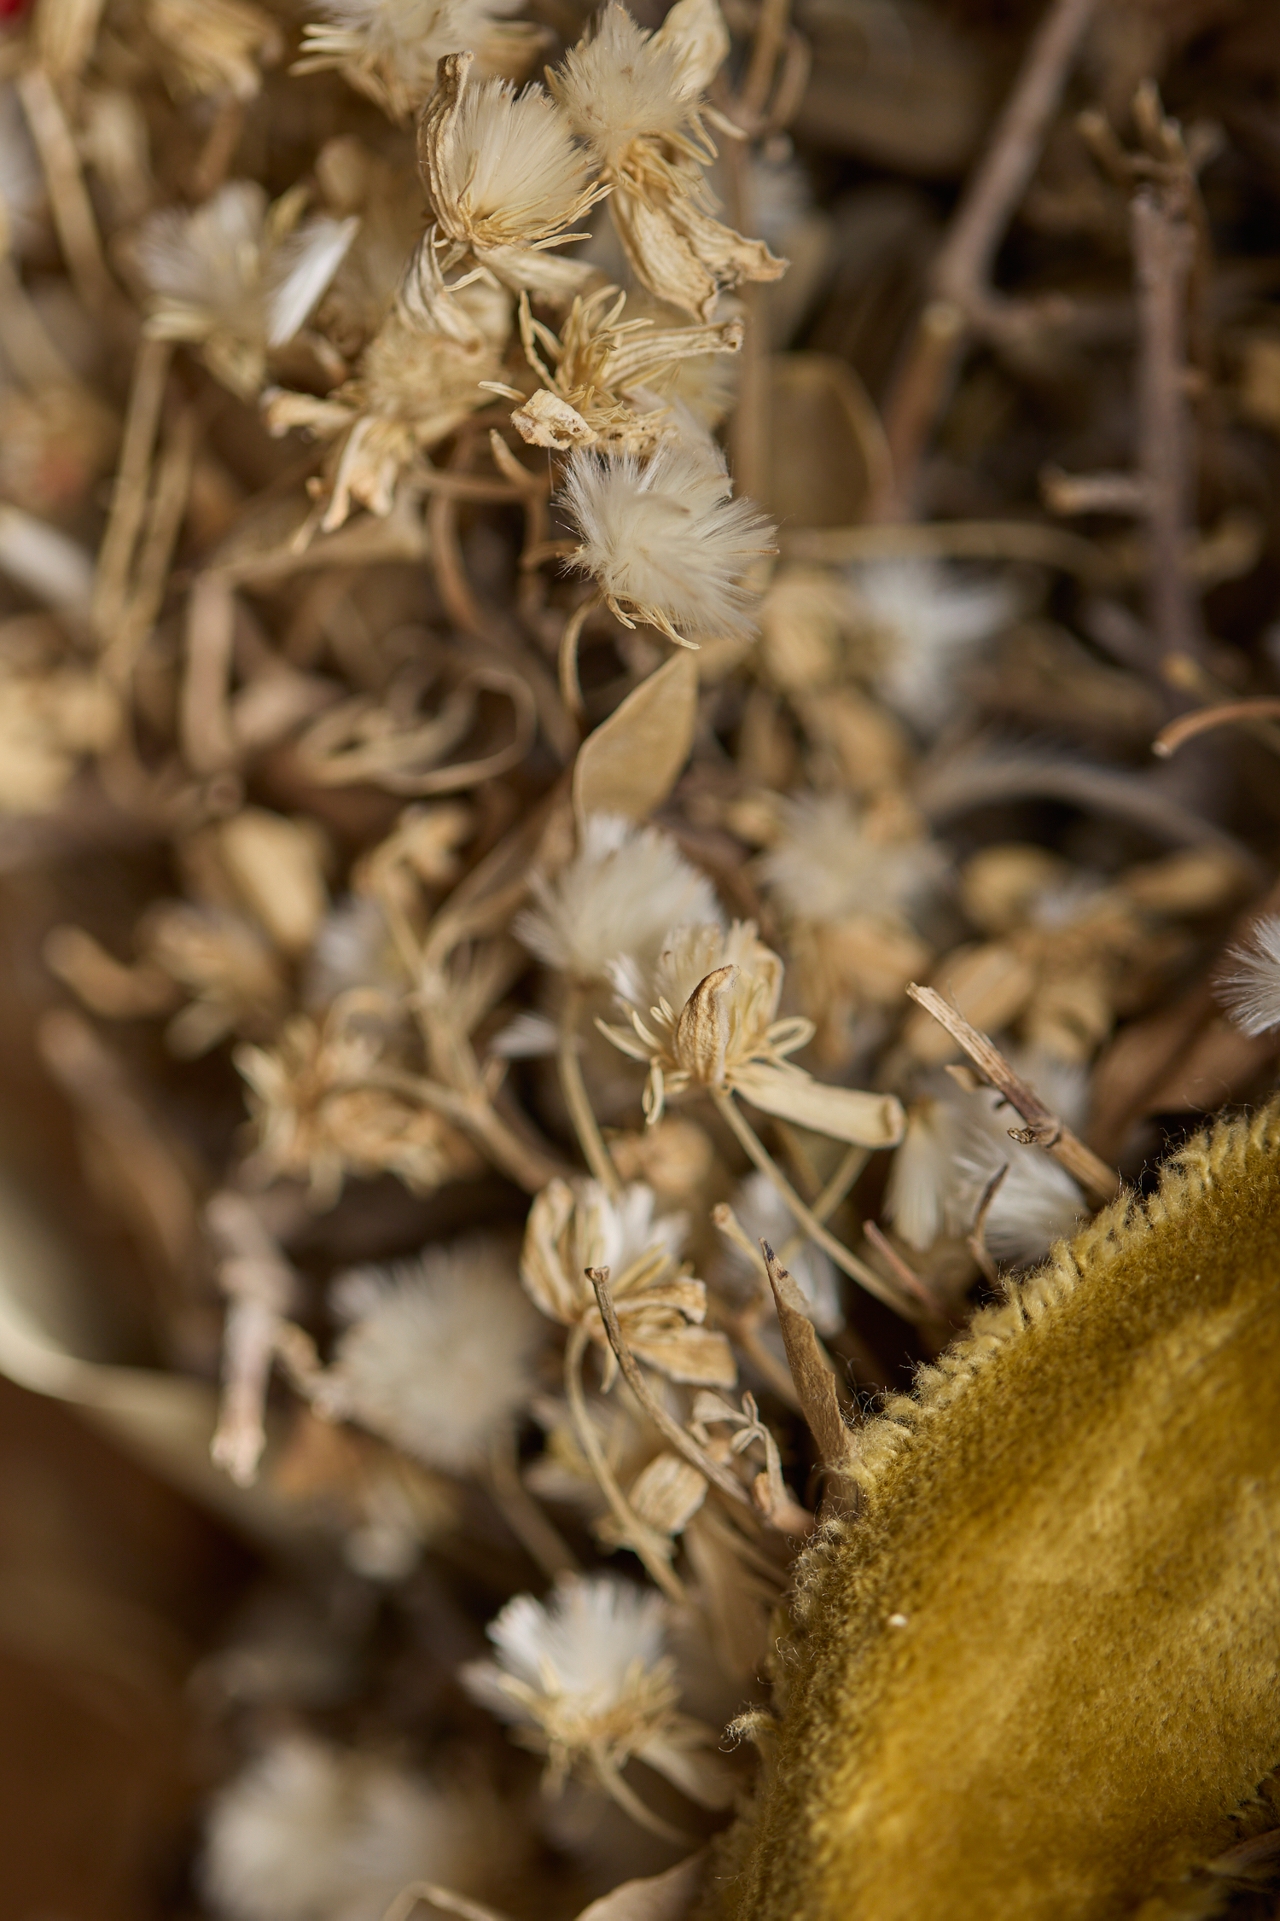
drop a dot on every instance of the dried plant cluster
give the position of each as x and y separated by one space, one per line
636 764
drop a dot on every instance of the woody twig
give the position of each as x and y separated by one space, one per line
963 303
1043 1127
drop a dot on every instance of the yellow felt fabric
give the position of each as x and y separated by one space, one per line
1078 1515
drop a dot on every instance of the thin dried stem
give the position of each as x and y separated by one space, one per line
951 539
805 1218
594 1149
976 1240
653 1548
129 494
683 1442
442 1898
570 634
888 1252
611 1780
523 1515
1043 1127
69 201
1227 713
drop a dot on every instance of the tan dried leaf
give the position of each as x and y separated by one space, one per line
668 1493
632 761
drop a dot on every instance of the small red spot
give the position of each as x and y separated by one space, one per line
10 9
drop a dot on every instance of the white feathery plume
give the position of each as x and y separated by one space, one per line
930 620
388 49
826 866
1251 991
665 539
311 1832
957 1141
621 894
439 1356
621 85
502 168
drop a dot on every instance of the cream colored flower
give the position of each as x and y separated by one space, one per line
584 1679
636 98
439 1353
660 1304
846 879
621 894
923 622
317 1122
604 375
715 1026
238 277
414 385
214 46
311 1832
502 169
388 49
665 540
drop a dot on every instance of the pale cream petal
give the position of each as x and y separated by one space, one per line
844 1113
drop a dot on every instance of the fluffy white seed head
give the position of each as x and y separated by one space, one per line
621 894
930 621
666 540
1251 991
825 866
310 1832
621 85
439 1356
511 171
388 49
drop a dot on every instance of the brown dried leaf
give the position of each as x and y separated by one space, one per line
814 1381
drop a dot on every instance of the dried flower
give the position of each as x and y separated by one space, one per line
214 46
317 1122
925 621
238 277
715 1026
621 894
502 169
416 382
604 376
832 860
665 539
388 49
311 1832
660 1304
635 98
1251 992
585 1681
438 1357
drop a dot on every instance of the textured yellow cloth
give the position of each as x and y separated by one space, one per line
1039 1676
